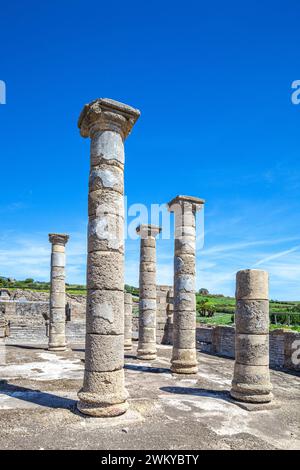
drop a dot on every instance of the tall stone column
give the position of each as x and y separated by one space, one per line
57 321
251 380
128 321
184 360
107 123
147 288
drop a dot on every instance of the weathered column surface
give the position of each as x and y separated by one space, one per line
57 321
107 123
147 289
128 321
251 379
184 359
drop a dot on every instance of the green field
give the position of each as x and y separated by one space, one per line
219 310
37 286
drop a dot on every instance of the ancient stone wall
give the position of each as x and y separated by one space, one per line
77 302
26 312
36 334
219 340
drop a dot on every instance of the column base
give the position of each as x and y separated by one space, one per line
57 348
146 352
178 367
184 361
144 356
100 411
251 383
263 398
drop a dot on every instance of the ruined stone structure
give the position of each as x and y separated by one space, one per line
184 359
57 321
251 380
147 288
107 123
127 321
164 314
220 340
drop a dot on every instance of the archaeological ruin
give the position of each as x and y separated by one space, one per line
127 321
147 292
107 123
57 321
142 362
184 360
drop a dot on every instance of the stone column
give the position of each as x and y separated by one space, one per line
147 289
3 335
251 379
128 321
57 320
107 123
184 360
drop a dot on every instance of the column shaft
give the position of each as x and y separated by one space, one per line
128 321
147 290
103 393
57 321
251 380
184 359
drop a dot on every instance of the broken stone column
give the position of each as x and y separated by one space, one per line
128 321
147 290
57 321
184 360
251 379
107 123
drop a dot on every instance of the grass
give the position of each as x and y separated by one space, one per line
217 319
224 308
226 319
285 327
69 290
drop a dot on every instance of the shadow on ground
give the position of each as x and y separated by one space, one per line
41 348
36 396
151 370
200 392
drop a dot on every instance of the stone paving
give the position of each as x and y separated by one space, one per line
38 392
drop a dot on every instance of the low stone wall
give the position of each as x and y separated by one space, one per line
220 340
9 300
75 333
26 312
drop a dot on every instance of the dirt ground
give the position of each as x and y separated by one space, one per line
38 406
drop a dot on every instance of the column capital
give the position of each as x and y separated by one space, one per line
105 114
58 238
147 230
181 201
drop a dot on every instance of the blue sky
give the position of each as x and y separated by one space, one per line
213 83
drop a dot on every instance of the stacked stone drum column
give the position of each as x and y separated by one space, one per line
107 123
147 289
57 321
128 321
184 359
251 380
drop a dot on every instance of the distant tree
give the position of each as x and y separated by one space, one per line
203 291
206 308
29 280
